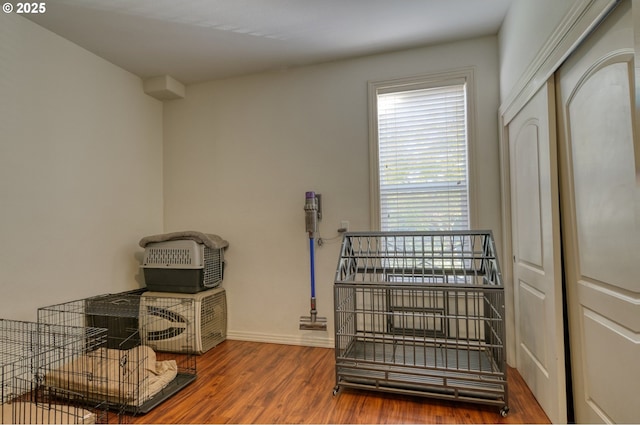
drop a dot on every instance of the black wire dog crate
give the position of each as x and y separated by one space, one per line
421 313
29 353
138 375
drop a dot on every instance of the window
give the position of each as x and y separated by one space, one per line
420 152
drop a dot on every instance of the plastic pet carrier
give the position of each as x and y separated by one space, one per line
173 263
205 319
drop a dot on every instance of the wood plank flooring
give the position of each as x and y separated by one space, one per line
249 382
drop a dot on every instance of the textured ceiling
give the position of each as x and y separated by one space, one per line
199 40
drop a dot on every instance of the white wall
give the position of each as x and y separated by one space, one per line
80 171
527 26
241 152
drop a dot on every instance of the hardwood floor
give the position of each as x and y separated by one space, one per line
249 382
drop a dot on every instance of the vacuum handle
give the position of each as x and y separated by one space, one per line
311 213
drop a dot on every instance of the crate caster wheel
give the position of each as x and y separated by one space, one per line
335 390
504 411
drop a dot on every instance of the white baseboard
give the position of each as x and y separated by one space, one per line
305 338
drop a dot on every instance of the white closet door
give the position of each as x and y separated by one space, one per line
537 266
601 221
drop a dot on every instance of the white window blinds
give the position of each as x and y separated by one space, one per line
422 157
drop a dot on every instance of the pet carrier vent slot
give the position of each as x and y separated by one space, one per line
165 314
164 334
169 256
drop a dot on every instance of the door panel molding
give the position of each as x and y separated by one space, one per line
527 199
604 377
624 307
532 302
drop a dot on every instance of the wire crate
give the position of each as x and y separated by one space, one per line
138 376
421 313
29 352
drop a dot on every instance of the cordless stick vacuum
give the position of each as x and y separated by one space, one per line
312 322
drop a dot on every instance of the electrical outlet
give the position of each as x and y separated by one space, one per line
344 224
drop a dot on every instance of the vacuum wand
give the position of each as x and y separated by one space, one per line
312 322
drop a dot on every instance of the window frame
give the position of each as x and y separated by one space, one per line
423 81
